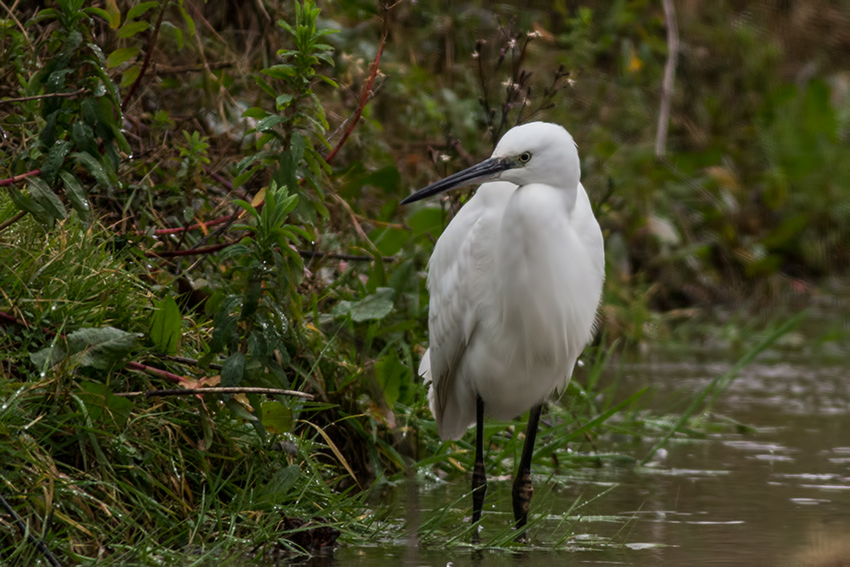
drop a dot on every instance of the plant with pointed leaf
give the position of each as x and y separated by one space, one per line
287 136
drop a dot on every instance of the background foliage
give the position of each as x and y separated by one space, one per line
194 193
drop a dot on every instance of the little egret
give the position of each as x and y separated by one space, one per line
515 282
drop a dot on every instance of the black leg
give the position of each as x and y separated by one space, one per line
479 476
522 484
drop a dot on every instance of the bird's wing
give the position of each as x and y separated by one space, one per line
588 229
459 271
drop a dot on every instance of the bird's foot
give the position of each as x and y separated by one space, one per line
522 493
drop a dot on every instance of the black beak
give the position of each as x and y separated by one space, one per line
484 171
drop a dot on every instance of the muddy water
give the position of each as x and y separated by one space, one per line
775 495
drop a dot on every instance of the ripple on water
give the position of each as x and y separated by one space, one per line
810 501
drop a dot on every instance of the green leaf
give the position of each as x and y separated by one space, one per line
255 112
100 12
239 410
121 55
48 357
427 220
277 418
190 23
93 167
99 348
140 9
387 178
46 198
283 72
53 162
83 137
102 347
166 325
277 490
372 307
113 14
75 193
390 372
389 241
26 203
233 370
130 76
269 122
48 133
282 101
267 88
129 29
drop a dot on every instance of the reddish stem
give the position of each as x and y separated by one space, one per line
367 88
17 178
155 372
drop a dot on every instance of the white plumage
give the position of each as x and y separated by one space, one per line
515 281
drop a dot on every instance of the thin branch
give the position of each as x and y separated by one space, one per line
190 252
303 253
346 257
168 70
357 227
155 372
218 390
17 178
11 12
669 77
147 61
367 88
6 224
49 95
24 530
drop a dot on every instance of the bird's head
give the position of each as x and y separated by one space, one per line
538 152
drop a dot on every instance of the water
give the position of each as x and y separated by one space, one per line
778 494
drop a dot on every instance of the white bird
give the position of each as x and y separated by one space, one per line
515 281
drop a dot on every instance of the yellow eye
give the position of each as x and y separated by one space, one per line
524 157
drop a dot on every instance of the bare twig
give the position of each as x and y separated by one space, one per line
346 257
190 252
357 227
6 224
176 70
49 95
24 530
155 372
364 97
218 390
669 77
147 61
303 253
11 12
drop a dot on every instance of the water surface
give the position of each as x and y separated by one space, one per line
777 493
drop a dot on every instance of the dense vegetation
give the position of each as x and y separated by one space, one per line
193 196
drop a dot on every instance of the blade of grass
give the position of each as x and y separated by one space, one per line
723 381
